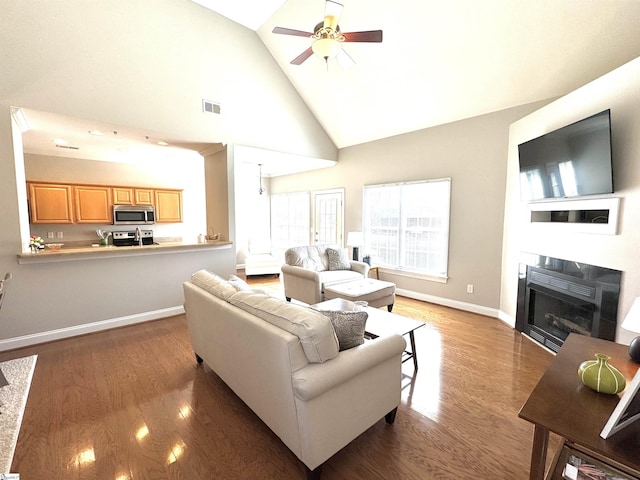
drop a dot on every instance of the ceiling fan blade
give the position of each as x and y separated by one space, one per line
332 12
368 36
344 60
290 31
302 57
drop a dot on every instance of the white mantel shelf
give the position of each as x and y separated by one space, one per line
106 252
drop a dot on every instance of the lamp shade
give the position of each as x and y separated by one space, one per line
632 320
355 239
326 48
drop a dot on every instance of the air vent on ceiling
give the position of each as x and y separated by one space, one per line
210 107
69 147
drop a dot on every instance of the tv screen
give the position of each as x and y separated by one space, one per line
569 162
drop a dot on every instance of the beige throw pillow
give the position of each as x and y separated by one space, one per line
239 284
213 284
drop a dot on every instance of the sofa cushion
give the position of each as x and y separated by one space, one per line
314 330
338 259
334 277
312 257
213 284
349 327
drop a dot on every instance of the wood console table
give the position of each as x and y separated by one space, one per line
561 404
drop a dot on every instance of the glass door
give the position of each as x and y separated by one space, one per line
328 217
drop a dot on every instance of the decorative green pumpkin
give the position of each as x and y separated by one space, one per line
601 376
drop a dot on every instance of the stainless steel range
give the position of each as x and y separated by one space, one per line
133 238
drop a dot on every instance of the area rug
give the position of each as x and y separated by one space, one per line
13 400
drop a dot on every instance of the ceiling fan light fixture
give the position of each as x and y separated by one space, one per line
327 38
326 48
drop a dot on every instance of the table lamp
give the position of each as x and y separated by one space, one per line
632 323
355 240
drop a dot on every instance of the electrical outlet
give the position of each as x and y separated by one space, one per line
60 235
469 288
50 235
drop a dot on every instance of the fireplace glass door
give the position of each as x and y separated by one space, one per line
560 315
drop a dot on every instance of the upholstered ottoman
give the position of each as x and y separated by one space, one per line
376 292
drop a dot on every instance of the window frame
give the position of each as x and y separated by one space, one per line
421 229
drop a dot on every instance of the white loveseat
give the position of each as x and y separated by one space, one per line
307 272
283 361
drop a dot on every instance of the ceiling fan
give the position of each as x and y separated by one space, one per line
327 38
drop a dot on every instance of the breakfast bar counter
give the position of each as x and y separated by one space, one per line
91 252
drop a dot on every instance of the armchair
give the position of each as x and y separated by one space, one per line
307 271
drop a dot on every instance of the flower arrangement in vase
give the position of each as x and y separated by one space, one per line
36 243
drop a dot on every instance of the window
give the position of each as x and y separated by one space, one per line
289 220
406 225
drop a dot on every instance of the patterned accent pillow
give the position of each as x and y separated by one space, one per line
349 327
338 259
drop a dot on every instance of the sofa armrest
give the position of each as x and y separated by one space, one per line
300 272
360 267
302 284
318 378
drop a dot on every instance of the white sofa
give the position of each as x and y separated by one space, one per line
307 272
283 361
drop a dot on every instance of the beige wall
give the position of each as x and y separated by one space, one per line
620 92
215 167
473 153
149 67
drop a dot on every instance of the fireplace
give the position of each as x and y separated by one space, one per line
557 297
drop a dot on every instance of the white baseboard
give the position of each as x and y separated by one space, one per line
35 338
506 318
447 302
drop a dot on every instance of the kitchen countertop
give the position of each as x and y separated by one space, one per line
66 254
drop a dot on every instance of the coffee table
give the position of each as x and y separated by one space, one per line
380 323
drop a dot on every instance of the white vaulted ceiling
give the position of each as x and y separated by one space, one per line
442 61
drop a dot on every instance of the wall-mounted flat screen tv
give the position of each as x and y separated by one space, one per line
572 161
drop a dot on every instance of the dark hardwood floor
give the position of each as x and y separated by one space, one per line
131 403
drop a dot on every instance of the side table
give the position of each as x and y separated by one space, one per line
561 404
377 270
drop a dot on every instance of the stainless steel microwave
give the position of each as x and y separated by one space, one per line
134 214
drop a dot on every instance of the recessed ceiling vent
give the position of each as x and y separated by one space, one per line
210 107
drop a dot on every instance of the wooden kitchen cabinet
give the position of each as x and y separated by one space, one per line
122 196
168 206
132 196
50 203
92 204
58 203
143 196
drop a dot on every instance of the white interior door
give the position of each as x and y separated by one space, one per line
328 217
